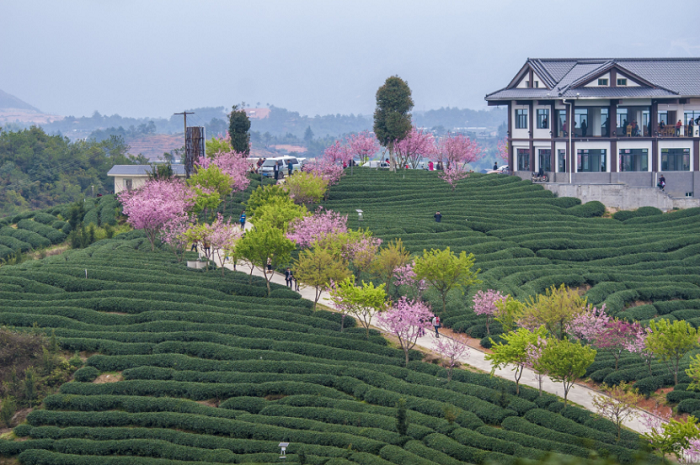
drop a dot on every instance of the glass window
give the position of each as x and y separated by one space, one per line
663 117
128 184
542 119
602 82
581 122
562 161
692 115
561 123
634 160
591 161
621 82
675 159
604 122
521 119
545 159
537 83
523 159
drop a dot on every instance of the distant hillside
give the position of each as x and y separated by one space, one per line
10 101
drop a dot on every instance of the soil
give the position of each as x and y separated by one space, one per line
637 303
470 341
290 148
108 378
20 416
116 313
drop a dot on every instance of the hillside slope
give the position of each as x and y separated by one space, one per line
209 370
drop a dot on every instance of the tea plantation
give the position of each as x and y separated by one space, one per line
642 265
211 370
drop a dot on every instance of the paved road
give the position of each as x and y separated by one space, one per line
579 394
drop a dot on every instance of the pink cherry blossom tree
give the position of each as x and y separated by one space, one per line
534 353
307 230
485 304
407 320
589 324
455 152
502 149
452 350
616 336
362 145
638 345
405 276
173 234
154 204
322 167
416 145
222 236
337 153
235 165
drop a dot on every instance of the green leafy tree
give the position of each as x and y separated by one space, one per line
670 341
161 172
514 351
673 436
211 186
306 188
565 361
317 267
308 135
216 145
264 195
238 129
444 271
7 411
258 245
392 117
507 312
389 258
29 386
555 310
278 213
361 302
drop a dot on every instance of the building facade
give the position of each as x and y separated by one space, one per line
127 177
606 121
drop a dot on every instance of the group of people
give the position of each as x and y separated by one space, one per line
433 167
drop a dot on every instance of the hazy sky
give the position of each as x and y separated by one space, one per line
152 58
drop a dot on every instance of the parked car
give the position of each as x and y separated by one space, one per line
267 168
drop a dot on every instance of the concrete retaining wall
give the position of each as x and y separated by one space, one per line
622 196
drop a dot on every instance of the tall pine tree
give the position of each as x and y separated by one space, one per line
238 128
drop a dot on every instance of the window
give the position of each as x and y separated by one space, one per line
634 160
581 128
542 119
591 161
521 119
675 159
527 84
523 159
545 160
128 184
562 161
602 82
537 83
621 82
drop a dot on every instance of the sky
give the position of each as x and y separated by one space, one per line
156 57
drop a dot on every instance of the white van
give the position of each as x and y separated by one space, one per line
267 168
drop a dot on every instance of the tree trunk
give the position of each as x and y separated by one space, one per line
518 375
342 322
406 352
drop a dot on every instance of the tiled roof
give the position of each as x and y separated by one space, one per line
669 77
141 170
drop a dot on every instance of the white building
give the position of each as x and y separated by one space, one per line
632 120
127 177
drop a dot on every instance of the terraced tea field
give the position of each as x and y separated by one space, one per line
210 370
525 240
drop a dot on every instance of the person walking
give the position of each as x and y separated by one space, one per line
269 265
276 170
242 220
438 217
436 325
288 277
194 247
290 167
430 165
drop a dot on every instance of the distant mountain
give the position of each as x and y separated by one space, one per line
10 101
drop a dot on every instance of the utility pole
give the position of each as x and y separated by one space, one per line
184 114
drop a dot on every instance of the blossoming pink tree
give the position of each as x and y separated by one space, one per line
502 149
452 350
337 153
616 337
405 276
638 345
589 324
485 304
416 145
324 168
456 151
156 203
222 237
173 234
362 145
534 352
307 230
407 320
